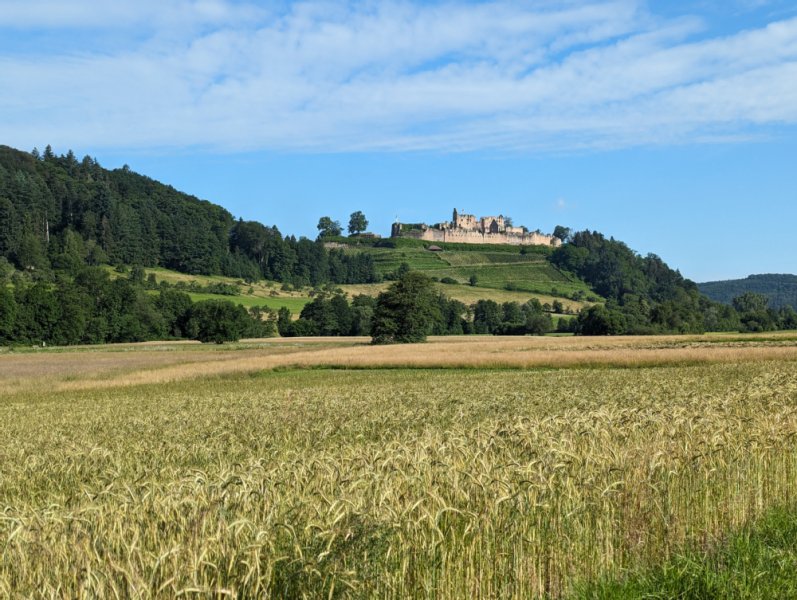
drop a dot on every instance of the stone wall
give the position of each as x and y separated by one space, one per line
460 236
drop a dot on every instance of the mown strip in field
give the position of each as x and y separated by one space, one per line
98 371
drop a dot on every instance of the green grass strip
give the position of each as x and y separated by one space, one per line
759 561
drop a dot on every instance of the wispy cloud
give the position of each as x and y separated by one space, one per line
149 14
394 76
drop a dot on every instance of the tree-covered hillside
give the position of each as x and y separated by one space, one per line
60 212
780 289
643 294
61 218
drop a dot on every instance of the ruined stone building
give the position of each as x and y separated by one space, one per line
467 229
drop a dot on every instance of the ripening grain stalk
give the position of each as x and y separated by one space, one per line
386 483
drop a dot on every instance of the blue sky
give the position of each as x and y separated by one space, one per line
669 125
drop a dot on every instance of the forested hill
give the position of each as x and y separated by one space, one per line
780 289
59 215
60 212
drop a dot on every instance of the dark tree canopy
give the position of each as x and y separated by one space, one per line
330 314
643 295
751 302
511 318
561 232
781 290
406 311
328 228
61 213
217 321
93 309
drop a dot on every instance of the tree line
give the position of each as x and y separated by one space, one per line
93 308
328 228
409 310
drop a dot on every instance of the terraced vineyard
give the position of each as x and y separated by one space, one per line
500 269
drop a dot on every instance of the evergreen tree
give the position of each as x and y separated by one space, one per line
9 226
74 315
323 316
486 317
175 307
38 311
284 320
31 255
8 314
362 313
72 257
599 320
753 312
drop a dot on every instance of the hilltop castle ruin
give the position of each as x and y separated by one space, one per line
467 229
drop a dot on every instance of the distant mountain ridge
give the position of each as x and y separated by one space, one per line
781 289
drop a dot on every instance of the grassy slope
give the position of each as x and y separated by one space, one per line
264 293
759 561
293 303
531 274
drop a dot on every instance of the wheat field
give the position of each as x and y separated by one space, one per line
513 477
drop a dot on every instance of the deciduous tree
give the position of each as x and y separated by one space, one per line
357 223
328 228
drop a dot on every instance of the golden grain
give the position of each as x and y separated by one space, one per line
399 483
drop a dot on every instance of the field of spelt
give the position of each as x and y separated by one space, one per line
512 469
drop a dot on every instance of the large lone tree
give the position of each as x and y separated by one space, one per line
406 311
357 223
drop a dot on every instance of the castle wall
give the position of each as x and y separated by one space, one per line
475 237
466 229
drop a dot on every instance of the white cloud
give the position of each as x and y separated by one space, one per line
394 76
